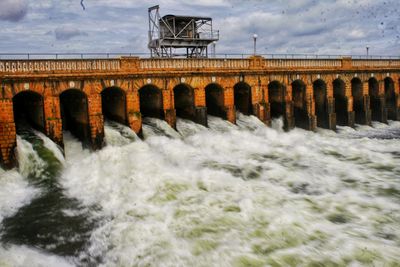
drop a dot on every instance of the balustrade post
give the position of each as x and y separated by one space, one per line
8 135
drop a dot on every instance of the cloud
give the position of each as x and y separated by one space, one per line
67 32
13 10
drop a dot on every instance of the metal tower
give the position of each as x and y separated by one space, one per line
179 36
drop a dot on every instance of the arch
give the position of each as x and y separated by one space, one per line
151 102
184 101
28 109
113 104
242 98
300 103
390 98
339 93
358 99
276 96
375 104
321 103
215 100
75 115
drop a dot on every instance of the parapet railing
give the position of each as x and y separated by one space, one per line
136 64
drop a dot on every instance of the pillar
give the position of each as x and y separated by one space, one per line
8 135
394 113
133 111
310 122
261 108
200 108
330 108
229 104
96 121
289 122
169 110
53 119
363 116
379 111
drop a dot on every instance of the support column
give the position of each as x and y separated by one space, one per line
53 119
229 104
288 105
133 111
363 116
8 135
331 115
200 109
379 111
96 121
350 115
169 111
394 113
261 107
311 121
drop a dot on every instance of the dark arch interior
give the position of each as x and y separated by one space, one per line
113 102
215 100
28 111
373 89
184 101
339 93
390 98
320 98
358 101
151 102
276 96
242 98
74 113
299 103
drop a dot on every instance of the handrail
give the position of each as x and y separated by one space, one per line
35 56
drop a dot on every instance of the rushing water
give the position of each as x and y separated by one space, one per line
227 195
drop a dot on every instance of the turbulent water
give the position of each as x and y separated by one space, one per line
227 195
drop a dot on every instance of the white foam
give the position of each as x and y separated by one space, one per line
241 195
21 256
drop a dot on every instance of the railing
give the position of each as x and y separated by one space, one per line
59 65
136 64
376 63
34 56
302 63
152 64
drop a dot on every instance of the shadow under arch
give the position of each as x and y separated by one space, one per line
113 104
390 99
184 101
377 103
75 114
215 100
276 97
339 93
242 98
301 116
28 107
359 105
321 103
151 102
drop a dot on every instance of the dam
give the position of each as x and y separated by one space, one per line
79 94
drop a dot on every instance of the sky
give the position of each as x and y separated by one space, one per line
336 27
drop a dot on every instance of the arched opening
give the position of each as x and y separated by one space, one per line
28 111
151 102
184 101
299 103
373 90
339 93
242 96
215 100
113 101
321 105
390 98
358 99
276 96
74 114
